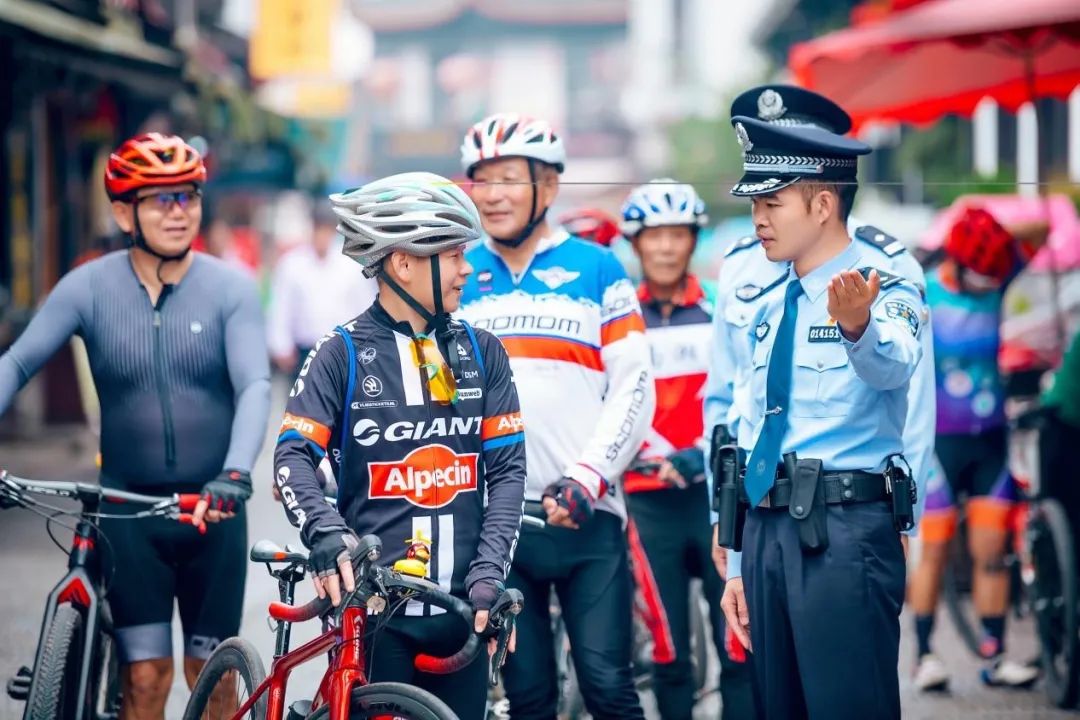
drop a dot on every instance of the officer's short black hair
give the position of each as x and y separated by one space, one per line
845 193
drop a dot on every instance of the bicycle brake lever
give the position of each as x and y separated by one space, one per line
502 644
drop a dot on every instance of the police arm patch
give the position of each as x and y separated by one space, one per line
904 313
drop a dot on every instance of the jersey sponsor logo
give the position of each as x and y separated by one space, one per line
501 425
298 386
823 333
372 386
288 496
902 311
556 276
470 374
366 355
428 477
365 432
470 393
504 323
374 404
626 427
309 429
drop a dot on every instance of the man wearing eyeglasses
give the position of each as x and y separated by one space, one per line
177 350
571 323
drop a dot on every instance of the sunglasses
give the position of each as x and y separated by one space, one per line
164 201
429 359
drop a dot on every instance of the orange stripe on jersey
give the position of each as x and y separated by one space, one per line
553 349
313 431
501 425
620 327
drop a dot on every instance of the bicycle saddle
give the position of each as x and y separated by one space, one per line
265 551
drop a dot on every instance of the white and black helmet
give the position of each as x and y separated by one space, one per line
511 135
420 213
662 202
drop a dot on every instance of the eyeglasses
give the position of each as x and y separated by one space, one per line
429 358
163 202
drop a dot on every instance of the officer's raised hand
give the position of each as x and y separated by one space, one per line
736 611
850 298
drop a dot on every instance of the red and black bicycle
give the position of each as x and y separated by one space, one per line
234 684
75 671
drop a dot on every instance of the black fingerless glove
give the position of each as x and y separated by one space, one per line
573 496
228 491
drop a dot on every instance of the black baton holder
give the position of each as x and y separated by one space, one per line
902 493
729 461
808 503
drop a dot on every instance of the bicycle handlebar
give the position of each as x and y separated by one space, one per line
384 580
84 492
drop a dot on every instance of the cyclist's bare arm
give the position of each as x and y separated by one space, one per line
52 326
249 373
311 414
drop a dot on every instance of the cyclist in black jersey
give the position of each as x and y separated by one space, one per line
419 416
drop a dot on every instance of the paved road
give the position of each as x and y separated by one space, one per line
30 564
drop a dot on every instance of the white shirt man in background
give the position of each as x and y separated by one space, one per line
314 288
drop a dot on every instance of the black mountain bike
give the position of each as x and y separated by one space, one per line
75 672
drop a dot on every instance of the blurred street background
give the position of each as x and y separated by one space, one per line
296 99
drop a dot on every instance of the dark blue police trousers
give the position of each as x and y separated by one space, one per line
825 628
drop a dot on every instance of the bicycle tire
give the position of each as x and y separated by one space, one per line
1055 601
956 590
233 655
699 642
397 700
54 689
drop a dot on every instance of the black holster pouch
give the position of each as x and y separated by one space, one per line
902 492
808 502
729 461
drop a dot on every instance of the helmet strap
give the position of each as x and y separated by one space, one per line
534 219
439 320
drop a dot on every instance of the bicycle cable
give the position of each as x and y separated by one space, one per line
48 529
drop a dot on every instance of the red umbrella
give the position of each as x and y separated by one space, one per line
944 56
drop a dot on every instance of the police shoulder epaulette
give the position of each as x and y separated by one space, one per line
887 279
882 241
741 244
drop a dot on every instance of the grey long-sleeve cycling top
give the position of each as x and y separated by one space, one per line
184 387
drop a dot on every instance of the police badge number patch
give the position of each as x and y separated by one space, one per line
823 333
902 311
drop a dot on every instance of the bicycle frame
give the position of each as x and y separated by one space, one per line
82 585
346 669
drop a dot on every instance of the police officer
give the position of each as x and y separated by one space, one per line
738 291
832 353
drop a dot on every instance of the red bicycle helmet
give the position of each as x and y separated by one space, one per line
152 160
591 224
979 243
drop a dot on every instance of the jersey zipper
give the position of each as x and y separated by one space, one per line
162 385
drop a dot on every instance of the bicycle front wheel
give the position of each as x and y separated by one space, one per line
54 693
228 679
390 699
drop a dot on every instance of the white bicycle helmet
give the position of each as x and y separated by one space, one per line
418 212
662 202
511 135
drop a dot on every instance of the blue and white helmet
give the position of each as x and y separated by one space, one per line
662 202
